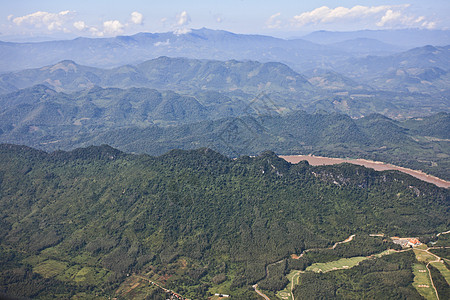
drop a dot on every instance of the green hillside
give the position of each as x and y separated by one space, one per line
79 222
178 74
417 143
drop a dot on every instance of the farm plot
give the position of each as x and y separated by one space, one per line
343 263
422 281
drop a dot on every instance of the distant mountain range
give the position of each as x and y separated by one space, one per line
367 46
200 44
179 74
402 38
416 70
423 70
204 43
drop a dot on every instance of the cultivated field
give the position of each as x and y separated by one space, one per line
423 256
50 268
294 279
422 281
343 263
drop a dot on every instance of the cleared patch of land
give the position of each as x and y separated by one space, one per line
294 279
386 252
343 263
90 274
424 256
50 268
422 281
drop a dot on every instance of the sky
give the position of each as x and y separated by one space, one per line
64 19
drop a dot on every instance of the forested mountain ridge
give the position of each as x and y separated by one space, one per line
137 120
110 213
418 70
179 74
424 69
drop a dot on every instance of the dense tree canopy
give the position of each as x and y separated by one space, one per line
106 214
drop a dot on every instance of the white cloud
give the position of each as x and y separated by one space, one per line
80 25
273 21
112 27
429 25
390 17
381 16
183 19
397 19
325 14
181 31
95 32
137 18
42 19
166 43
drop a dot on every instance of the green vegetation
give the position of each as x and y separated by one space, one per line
153 122
388 277
275 279
343 263
195 221
294 279
50 268
443 269
422 281
442 286
360 244
441 252
443 240
424 257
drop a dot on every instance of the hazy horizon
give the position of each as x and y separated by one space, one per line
50 19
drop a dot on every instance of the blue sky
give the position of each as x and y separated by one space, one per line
102 18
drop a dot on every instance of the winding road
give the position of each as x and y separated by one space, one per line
255 286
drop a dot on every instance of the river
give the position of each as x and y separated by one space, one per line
376 165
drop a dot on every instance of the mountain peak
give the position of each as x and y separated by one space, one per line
64 65
67 62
